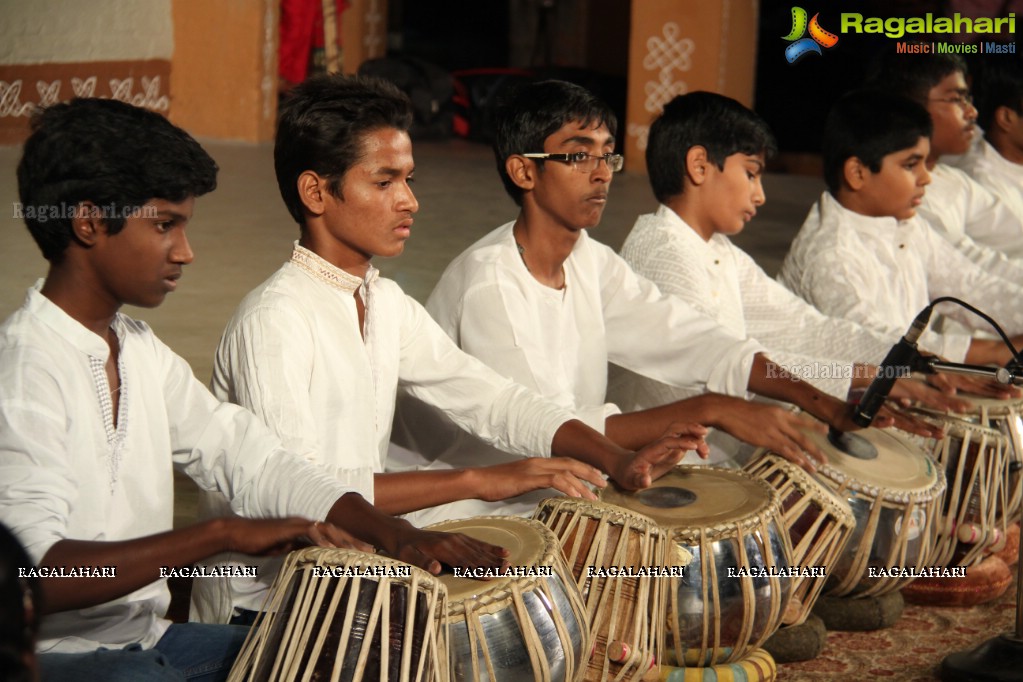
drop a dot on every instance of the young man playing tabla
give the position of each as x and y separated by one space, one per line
705 161
319 349
542 302
96 413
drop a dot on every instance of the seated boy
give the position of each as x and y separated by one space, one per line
996 160
318 350
863 254
963 211
545 304
95 413
705 157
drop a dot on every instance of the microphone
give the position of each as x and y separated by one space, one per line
902 355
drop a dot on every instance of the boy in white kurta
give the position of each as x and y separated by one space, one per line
95 413
996 160
863 254
705 160
541 301
962 210
319 349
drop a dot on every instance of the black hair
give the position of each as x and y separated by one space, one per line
19 610
107 152
321 128
720 124
998 82
913 75
533 112
870 125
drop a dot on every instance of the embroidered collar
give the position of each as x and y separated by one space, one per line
329 273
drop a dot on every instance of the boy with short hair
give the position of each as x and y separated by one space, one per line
541 301
95 412
962 210
996 160
319 349
862 252
705 158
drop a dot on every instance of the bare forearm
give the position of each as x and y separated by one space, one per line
400 493
137 563
575 439
636 429
368 523
771 380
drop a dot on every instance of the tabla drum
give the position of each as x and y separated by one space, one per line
894 490
971 521
338 614
733 593
819 523
1006 417
625 613
529 624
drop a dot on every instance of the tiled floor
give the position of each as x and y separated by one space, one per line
242 232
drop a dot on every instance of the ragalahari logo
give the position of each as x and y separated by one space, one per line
803 46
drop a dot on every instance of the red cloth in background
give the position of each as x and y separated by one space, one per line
301 31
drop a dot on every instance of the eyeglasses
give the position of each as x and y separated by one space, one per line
583 162
962 99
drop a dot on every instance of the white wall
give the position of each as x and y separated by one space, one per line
68 31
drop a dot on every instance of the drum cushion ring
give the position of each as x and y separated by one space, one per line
802 642
866 613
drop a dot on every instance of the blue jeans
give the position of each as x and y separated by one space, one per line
187 651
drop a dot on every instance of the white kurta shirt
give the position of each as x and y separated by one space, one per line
722 281
994 172
294 354
559 342
957 206
881 273
66 472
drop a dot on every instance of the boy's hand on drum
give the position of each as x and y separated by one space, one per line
910 392
987 388
779 430
567 475
267 537
639 469
889 416
429 549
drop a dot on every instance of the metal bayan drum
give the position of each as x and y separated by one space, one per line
511 629
819 523
625 614
338 614
894 496
732 596
971 521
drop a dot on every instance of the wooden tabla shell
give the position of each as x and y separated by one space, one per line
726 519
819 523
332 628
1006 417
972 519
625 614
894 498
516 628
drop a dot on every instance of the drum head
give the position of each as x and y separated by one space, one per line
995 406
695 496
527 541
898 465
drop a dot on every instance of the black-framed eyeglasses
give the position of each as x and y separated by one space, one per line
581 161
961 99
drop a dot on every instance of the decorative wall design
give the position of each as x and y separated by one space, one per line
24 87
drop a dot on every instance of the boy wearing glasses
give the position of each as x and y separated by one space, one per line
318 350
996 160
961 209
541 302
705 157
862 252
